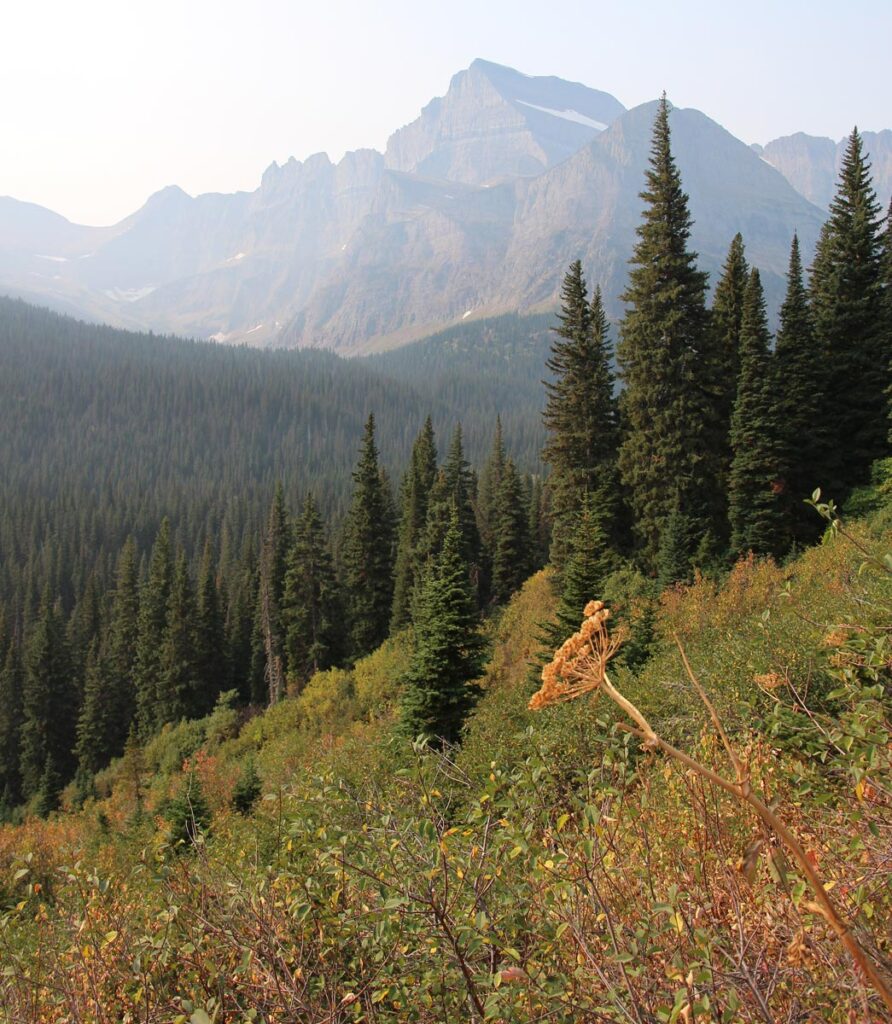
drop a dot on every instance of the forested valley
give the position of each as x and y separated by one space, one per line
291 651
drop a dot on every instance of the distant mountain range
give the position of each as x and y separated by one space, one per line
474 209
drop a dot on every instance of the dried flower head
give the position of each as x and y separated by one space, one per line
579 664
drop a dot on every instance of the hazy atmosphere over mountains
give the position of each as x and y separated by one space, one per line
468 213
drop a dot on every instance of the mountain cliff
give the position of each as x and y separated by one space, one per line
474 209
812 164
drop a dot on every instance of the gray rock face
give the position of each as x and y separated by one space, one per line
475 209
812 164
495 123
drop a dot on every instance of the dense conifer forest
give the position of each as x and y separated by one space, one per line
227 574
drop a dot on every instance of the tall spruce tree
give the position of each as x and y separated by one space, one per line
178 685
366 553
268 630
11 719
847 306
727 319
454 486
755 509
671 404
448 652
49 703
488 489
414 497
802 428
123 640
312 613
580 413
210 647
96 741
591 560
511 539
153 602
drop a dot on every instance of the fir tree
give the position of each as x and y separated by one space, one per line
153 604
49 788
269 635
727 318
674 437
120 691
488 488
580 413
448 652
415 495
591 560
188 815
210 647
11 718
95 742
178 695
454 486
511 541
311 607
367 553
847 306
755 511
247 789
48 701
800 381
675 552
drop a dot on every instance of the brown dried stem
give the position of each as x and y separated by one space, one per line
580 666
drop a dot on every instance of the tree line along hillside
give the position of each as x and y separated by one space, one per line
106 433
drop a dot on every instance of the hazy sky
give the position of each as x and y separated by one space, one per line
102 102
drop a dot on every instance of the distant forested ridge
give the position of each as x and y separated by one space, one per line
106 432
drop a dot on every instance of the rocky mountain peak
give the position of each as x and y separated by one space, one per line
495 123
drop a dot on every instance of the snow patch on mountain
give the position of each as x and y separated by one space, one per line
568 115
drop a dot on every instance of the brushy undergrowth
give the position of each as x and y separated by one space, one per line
548 870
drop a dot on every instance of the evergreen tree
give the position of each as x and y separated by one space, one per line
153 603
415 495
120 691
488 489
580 413
591 560
49 788
674 431
675 551
511 541
448 652
755 511
178 695
800 381
11 718
454 486
95 741
49 702
847 306
188 814
210 647
247 789
727 318
311 607
367 553
246 676
269 635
